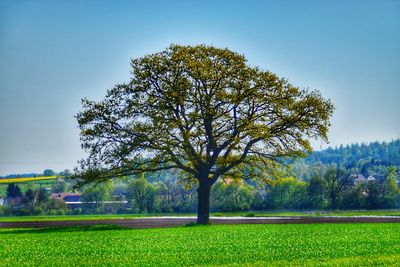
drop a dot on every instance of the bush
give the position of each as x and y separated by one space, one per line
8 211
21 212
56 212
231 197
37 211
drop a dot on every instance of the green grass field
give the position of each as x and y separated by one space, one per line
249 245
217 214
127 216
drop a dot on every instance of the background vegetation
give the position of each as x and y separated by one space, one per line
323 180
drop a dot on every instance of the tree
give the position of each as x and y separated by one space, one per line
336 180
66 173
42 195
375 198
48 172
13 191
315 191
202 111
29 195
59 186
232 197
391 188
93 198
287 193
141 194
173 196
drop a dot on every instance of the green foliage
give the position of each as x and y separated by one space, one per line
315 192
231 197
34 202
337 180
354 198
13 190
66 173
392 190
174 197
94 196
366 158
287 193
202 111
59 186
249 245
42 195
198 105
29 195
48 172
167 194
70 217
141 195
57 207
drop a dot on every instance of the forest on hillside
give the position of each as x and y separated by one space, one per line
359 155
374 158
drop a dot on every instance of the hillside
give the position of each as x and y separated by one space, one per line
357 155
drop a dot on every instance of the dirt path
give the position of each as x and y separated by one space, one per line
154 222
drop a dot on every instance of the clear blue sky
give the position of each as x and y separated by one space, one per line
53 53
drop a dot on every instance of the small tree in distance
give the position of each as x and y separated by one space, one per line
337 180
48 172
13 190
202 111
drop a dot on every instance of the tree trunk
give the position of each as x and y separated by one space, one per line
203 208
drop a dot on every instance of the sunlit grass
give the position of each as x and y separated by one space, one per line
214 214
249 245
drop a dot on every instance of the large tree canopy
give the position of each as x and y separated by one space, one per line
203 111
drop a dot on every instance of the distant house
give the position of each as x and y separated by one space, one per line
66 196
358 178
2 200
14 202
72 200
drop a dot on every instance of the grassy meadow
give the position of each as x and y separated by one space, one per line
248 245
26 183
214 214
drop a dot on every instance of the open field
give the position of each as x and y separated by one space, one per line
26 179
150 222
214 214
157 222
251 245
27 182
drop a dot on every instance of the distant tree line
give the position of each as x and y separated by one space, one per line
336 188
360 156
32 202
324 180
329 188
